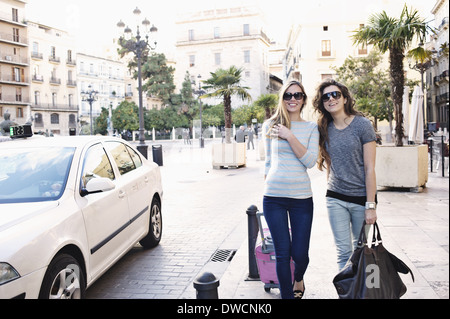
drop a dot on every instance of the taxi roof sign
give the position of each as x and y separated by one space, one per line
20 131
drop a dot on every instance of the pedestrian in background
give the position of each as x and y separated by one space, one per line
291 146
250 138
240 135
347 151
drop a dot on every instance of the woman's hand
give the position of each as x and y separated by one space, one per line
280 131
370 216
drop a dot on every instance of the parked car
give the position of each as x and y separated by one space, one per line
70 207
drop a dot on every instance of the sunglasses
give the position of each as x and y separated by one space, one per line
327 96
297 95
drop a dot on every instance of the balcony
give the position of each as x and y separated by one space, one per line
37 78
71 83
15 99
55 107
55 81
14 79
37 56
71 62
54 59
441 78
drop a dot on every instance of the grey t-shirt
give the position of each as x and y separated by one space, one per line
346 151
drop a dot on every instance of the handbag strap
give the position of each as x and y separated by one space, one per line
376 236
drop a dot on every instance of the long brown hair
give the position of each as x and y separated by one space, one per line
281 115
325 118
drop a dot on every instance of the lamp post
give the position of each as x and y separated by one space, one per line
138 46
89 96
200 92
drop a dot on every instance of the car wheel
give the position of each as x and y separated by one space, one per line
63 279
153 237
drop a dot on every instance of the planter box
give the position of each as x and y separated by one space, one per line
228 155
405 166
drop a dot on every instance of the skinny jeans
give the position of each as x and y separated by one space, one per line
279 212
346 220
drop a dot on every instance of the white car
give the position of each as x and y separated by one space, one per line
70 207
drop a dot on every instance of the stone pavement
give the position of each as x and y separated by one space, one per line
204 211
414 227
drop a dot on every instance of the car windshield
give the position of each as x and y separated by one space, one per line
34 174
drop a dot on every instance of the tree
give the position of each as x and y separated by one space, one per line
369 85
125 117
225 83
268 102
394 35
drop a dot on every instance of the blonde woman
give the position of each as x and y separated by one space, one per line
291 145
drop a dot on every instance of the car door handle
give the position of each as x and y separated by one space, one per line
121 194
146 179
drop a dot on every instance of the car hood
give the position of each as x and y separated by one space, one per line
13 214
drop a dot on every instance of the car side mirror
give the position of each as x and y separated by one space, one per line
96 185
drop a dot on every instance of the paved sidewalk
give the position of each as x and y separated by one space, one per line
414 227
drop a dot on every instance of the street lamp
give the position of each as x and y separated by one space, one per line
200 92
138 46
89 96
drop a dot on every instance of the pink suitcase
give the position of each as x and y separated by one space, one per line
265 258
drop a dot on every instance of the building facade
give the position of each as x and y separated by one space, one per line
222 37
14 62
53 88
437 77
107 78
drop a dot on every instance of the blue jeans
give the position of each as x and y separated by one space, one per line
279 212
346 220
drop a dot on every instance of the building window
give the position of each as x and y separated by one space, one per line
191 35
53 52
37 97
19 112
72 119
15 14
216 32
18 94
217 58
16 35
362 48
54 99
326 76
54 118
69 55
192 60
246 29
38 120
325 28
326 47
70 100
247 56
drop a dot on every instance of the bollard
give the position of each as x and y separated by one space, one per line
252 236
206 285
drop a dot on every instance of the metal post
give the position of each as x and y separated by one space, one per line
253 230
206 285
142 147
431 155
442 156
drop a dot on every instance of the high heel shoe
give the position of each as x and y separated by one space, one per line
298 294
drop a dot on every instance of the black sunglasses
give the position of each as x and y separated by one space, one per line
327 96
297 95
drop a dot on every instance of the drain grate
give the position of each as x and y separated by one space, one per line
222 255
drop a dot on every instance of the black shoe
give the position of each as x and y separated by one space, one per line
298 294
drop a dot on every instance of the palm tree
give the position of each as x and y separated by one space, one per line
268 102
225 84
394 35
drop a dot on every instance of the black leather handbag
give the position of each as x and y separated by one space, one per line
371 272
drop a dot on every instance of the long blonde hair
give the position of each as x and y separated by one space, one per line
281 115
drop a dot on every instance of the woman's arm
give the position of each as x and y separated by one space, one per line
369 153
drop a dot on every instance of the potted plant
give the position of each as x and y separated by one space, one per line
395 36
224 83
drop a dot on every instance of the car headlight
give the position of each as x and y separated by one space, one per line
7 273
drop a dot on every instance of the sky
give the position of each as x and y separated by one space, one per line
93 22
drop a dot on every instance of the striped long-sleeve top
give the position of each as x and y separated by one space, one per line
286 174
